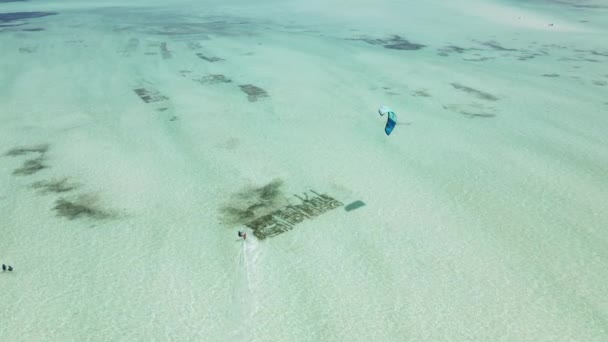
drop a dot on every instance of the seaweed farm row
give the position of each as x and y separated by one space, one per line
284 219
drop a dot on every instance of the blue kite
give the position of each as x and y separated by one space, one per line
391 121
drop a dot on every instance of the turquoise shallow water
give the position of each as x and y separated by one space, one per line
137 139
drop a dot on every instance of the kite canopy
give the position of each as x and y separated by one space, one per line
391 121
383 110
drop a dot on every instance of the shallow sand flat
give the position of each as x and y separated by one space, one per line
134 148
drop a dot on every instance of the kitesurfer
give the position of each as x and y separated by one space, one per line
3 267
240 233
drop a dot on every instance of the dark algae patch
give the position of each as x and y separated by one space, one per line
472 110
284 219
150 95
477 93
251 202
165 51
267 212
473 115
19 151
54 186
208 59
394 42
495 46
253 92
8 17
213 79
30 167
81 207
452 49
28 49
421 93
398 43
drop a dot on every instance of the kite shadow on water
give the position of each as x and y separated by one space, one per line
354 205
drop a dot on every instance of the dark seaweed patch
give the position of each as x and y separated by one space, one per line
8 17
472 115
421 93
83 206
405 45
19 151
495 45
213 79
550 75
480 59
28 49
472 110
599 83
575 3
30 167
451 49
271 191
36 29
54 186
526 57
165 51
252 202
394 42
12 25
478 93
285 218
253 92
354 205
598 53
208 59
150 95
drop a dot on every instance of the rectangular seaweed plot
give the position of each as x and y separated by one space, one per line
253 92
165 51
286 218
150 95
213 79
